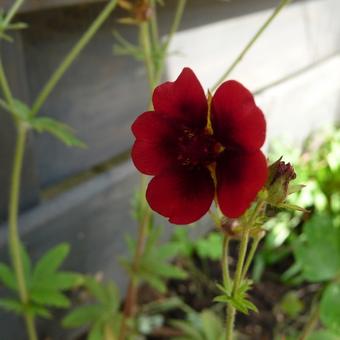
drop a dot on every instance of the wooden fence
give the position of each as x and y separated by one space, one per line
83 196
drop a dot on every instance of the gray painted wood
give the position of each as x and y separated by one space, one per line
16 74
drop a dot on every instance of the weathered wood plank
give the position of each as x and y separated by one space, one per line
101 94
304 103
12 55
303 34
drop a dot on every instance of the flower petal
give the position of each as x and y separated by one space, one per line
235 118
182 100
154 147
240 176
181 195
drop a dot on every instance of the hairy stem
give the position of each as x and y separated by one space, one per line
71 56
250 256
251 42
231 312
240 267
225 264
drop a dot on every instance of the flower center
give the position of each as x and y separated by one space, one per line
197 148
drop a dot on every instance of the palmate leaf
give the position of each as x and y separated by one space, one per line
239 301
48 297
51 261
82 316
154 281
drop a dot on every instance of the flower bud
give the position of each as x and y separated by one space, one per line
280 175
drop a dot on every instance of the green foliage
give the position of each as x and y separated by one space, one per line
318 249
200 326
102 317
46 284
210 246
154 265
239 299
207 247
329 307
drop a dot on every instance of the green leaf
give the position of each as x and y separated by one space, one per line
12 305
154 281
39 311
82 316
319 255
329 308
59 130
51 261
49 298
96 289
7 277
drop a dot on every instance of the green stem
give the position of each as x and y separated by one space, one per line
225 265
30 327
237 280
147 54
174 27
12 11
154 24
231 312
5 88
13 234
225 75
71 56
250 256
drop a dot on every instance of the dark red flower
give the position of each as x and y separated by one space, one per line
193 156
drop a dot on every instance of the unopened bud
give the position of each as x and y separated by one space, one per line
280 175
